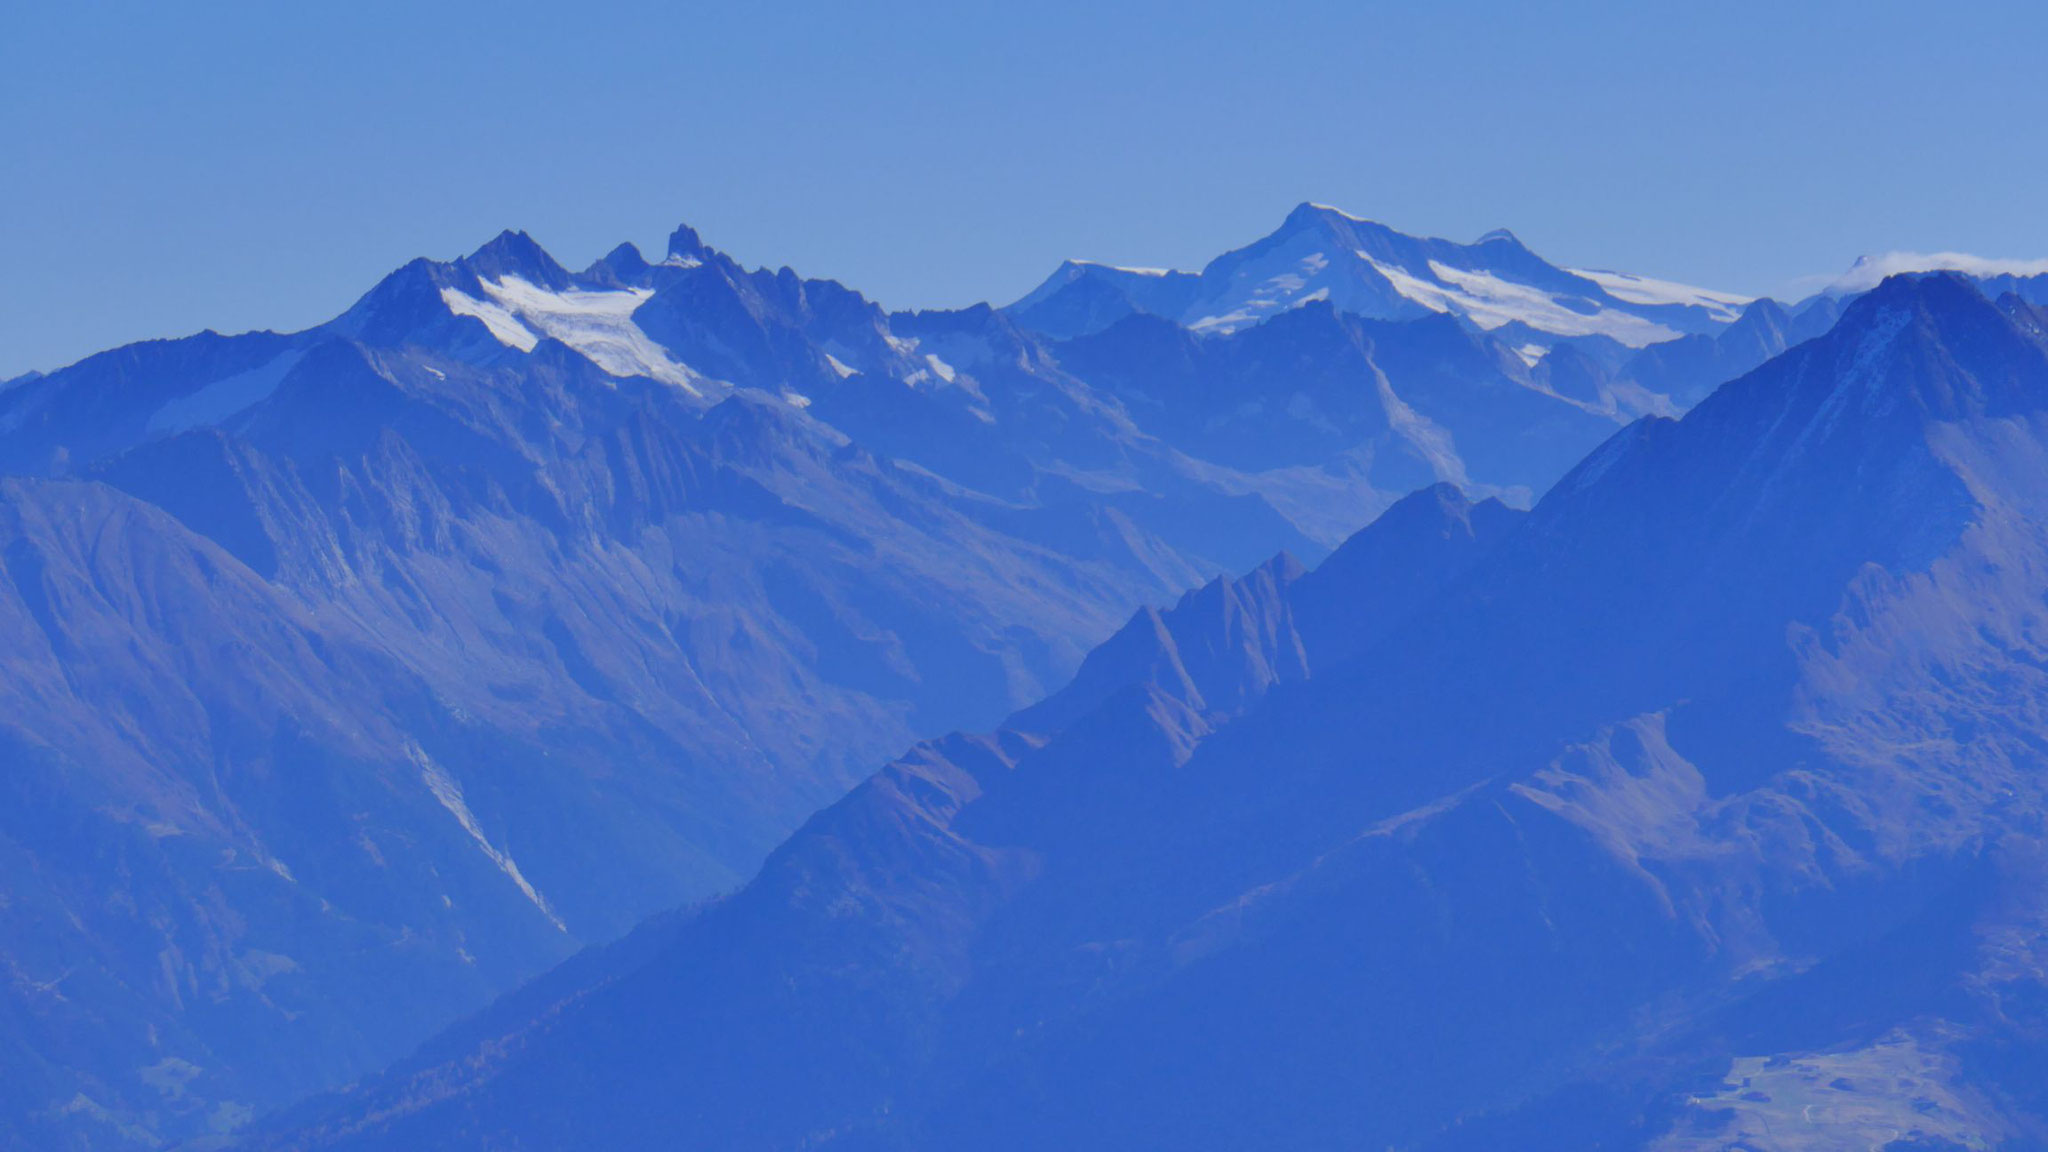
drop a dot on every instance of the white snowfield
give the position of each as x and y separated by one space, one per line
1486 299
1289 281
1493 302
597 323
1725 306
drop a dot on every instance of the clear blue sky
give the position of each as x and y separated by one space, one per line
175 166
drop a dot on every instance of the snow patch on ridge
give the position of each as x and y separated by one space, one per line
1123 268
1491 302
1275 293
1339 212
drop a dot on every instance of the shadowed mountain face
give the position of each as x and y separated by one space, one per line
1466 409
358 674
1700 807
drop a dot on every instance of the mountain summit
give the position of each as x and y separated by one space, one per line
1320 253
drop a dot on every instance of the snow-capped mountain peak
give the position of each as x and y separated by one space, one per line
520 296
1321 253
685 248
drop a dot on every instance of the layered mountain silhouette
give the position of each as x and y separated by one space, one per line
1698 807
358 674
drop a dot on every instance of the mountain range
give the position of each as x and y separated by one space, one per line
1698 807
1324 254
359 676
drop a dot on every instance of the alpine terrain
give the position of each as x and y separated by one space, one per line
355 676
1699 806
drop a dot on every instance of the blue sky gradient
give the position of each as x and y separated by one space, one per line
239 165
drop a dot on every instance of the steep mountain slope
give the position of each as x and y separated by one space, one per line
191 761
1702 806
626 634
1403 403
1686 370
597 684
881 876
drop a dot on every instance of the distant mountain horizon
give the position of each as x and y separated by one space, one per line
1860 276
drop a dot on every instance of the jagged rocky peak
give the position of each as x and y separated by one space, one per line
1216 650
685 246
512 254
623 266
1919 347
1390 568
